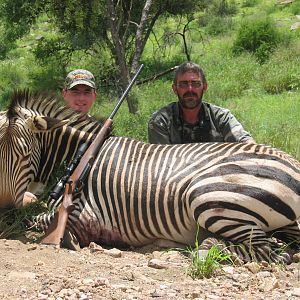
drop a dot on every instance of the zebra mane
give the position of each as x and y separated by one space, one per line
49 105
38 103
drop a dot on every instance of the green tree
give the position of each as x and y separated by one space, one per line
120 27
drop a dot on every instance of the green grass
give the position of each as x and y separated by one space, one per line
14 222
272 119
205 267
204 264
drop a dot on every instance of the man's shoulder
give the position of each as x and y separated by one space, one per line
214 108
165 112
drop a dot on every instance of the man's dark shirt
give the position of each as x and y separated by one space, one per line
216 124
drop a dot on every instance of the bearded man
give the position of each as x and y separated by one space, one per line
191 120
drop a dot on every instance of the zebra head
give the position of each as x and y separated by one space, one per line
36 134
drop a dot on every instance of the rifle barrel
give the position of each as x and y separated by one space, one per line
126 92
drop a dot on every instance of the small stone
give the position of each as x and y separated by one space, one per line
158 293
87 281
157 264
202 254
121 287
163 286
213 297
95 248
100 281
270 284
34 247
228 269
253 267
114 252
296 292
296 257
264 274
295 26
264 263
196 295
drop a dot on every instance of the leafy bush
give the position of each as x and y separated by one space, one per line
222 8
258 36
218 25
248 3
295 8
12 77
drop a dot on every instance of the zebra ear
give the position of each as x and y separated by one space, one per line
39 123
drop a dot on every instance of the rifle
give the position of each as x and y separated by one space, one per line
76 174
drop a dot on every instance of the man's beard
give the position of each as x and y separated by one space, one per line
190 104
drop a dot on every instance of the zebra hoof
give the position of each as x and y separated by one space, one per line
69 241
282 258
29 198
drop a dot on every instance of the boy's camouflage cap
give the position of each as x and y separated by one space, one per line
80 76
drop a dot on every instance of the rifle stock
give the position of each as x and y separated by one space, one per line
56 229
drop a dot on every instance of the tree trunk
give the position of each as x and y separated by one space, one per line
139 39
120 54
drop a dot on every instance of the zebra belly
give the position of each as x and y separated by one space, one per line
88 228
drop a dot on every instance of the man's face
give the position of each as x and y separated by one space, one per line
189 89
81 97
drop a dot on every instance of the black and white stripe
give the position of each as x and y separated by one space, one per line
138 193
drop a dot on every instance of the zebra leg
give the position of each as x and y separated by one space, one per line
289 234
246 240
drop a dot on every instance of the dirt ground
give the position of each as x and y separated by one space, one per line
35 271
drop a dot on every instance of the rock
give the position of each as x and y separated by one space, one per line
33 247
114 252
158 293
100 281
253 267
270 284
196 295
295 26
213 297
21 275
296 257
157 264
88 281
264 263
228 269
285 2
296 292
95 247
202 254
264 274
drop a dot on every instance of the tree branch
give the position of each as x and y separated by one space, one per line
156 76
